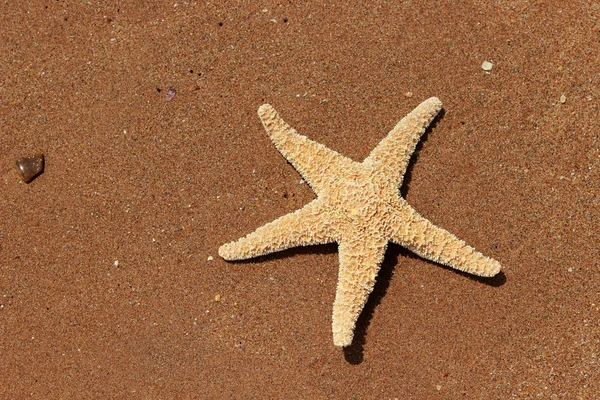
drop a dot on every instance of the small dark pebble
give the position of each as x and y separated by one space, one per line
31 166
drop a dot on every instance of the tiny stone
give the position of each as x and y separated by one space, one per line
570 269
438 387
170 93
217 297
408 94
563 99
210 258
487 66
116 264
31 166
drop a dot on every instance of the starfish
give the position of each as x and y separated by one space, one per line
359 206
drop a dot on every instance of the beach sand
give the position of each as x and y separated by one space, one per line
110 281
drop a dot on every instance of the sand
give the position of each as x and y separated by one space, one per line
110 282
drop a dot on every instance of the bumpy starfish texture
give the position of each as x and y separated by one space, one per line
359 206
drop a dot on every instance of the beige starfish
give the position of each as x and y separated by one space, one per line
358 205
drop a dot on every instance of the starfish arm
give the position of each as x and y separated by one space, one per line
303 227
392 154
422 237
360 260
317 164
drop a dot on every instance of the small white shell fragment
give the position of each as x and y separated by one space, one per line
487 66
210 258
563 98
171 92
116 263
